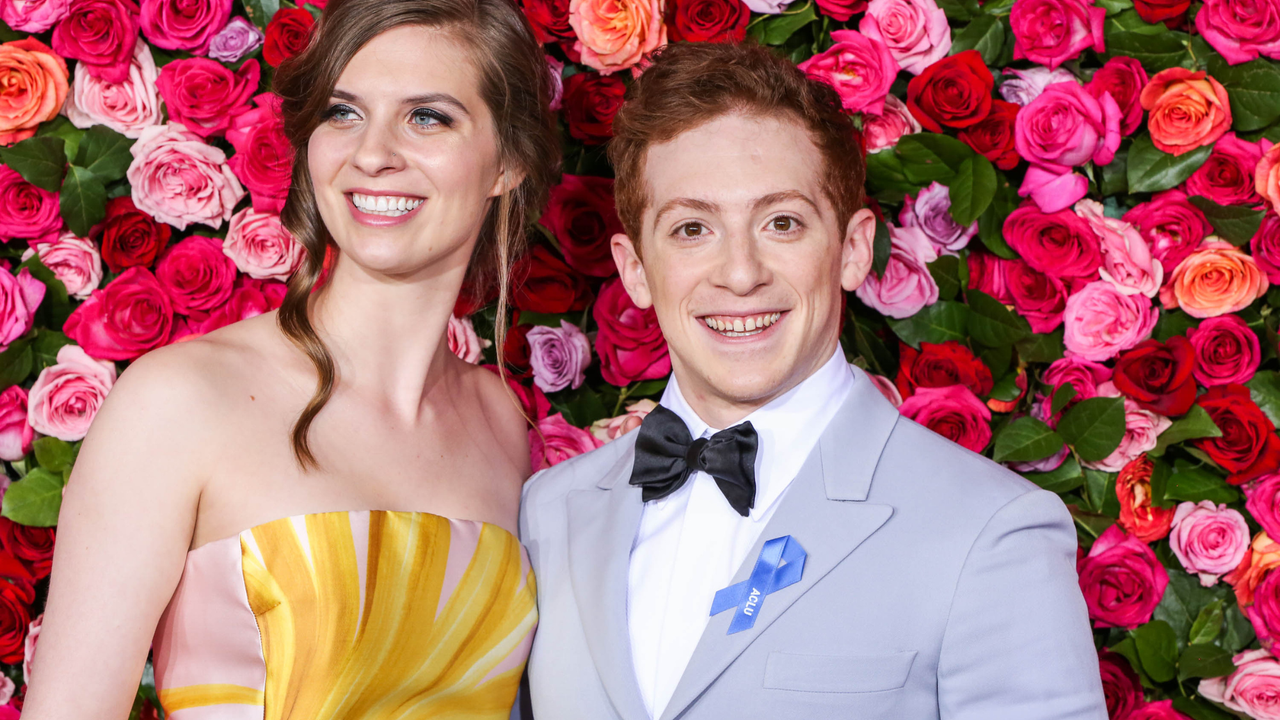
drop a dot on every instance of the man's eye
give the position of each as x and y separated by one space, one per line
691 230
783 224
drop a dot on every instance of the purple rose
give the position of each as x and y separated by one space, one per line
239 38
558 357
183 24
906 286
1022 86
929 211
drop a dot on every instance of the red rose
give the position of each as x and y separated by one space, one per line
287 35
992 137
101 34
125 319
31 545
1119 684
1227 351
629 343
248 298
953 412
1170 12
264 158
26 211
1124 78
515 348
989 274
549 19
590 102
707 20
542 283
841 10
1121 579
17 592
1158 376
1249 447
204 95
1038 297
196 274
941 365
1061 244
1227 176
1138 516
129 236
582 216
955 91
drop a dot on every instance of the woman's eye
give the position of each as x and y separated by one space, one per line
783 224
691 230
340 113
425 117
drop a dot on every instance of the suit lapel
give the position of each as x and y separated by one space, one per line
824 510
604 521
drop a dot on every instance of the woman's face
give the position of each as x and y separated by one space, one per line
405 161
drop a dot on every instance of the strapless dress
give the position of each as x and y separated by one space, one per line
349 615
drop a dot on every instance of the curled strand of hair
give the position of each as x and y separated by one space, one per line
296 325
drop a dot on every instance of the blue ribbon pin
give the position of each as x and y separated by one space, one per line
780 565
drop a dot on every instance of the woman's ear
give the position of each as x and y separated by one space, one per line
506 181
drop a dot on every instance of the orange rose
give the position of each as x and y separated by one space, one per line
1263 555
1137 516
1214 280
33 85
615 34
1188 110
1266 178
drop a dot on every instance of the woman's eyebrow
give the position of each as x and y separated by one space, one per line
426 99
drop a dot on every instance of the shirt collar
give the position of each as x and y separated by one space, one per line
788 426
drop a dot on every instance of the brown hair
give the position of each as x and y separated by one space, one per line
690 84
516 86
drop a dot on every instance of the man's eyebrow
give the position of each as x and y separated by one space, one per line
773 198
427 99
690 203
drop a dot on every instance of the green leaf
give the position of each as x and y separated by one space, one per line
886 178
1183 600
1158 650
34 500
1130 21
869 346
960 10
1156 52
1239 631
881 248
40 161
1042 347
1114 7
61 127
1065 478
937 323
1208 624
105 153
1025 440
53 454
1061 397
1193 483
1153 170
777 29
985 34
1201 709
991 222
83 200
260 11
1254 91
15 363
1236 225
998 360
545 319
992 324
1094 427
1205 660
56 301
928 156
946 273
1173 323
46 347
1115 175
972 189
1195 424
1264 388
647 388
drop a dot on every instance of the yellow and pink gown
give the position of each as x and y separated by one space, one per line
355 615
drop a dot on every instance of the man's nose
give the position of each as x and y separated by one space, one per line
740 266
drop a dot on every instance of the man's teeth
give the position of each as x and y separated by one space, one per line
389 205
740 326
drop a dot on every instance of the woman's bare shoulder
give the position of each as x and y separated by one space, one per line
502 412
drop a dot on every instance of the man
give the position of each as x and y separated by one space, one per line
776 541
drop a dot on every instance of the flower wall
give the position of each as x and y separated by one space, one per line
1077 241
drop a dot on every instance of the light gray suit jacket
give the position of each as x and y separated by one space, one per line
938 585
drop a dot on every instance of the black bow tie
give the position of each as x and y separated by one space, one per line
666 456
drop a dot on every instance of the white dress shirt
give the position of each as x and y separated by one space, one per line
691 543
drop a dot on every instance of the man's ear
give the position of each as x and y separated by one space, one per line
858 249
631 270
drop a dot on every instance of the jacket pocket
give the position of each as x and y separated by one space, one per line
837 673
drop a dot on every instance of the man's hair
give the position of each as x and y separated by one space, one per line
690 84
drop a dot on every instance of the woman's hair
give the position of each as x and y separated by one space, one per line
516 86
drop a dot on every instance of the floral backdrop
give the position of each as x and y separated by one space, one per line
1077 237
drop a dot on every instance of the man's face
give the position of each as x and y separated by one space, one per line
744 260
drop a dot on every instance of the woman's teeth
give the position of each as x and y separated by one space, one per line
740 326
389 205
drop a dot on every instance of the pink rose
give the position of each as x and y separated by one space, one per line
1123 78
196 274
1064 128
463 340
1141 429
929 210
1100 321
1022 86
29 646
32 16
610 429
1051 32
1266 247
184 24
1252 688
1227 351
554 440
264 158
19 297
260 246
1241 30
614 35
26 211
1209 540
1038 297
882 131
126 107
65 397
1263 502
1053 190
249 298
915 31
1060 243
1171 225
886 388
1084 375
861 70
179 180
15 432
906 285
237 38
1121 579
102 34
1266 177
629 342
74 260
558 356
204 95
1126 259
1264 612
953 412
1159 710
128 317
1227 177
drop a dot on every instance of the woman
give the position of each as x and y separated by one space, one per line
314 513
